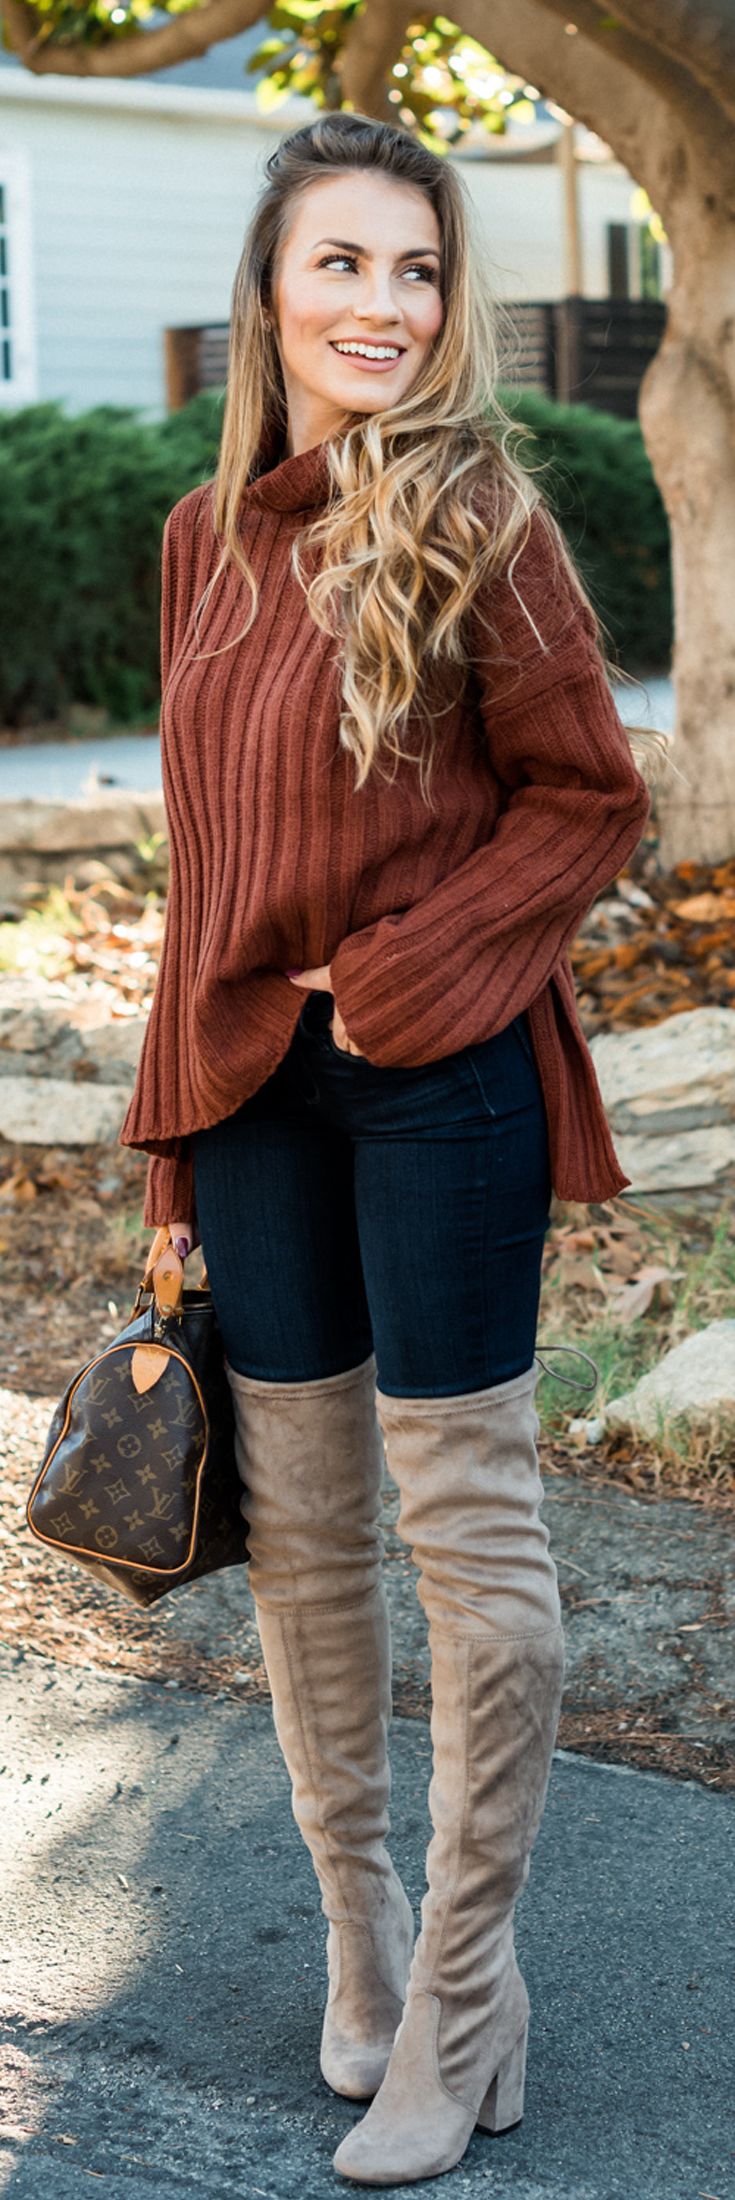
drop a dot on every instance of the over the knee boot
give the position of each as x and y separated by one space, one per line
467 1470
311 1459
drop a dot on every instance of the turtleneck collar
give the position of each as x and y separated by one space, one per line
291 484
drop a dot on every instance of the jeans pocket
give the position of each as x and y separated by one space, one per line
521 1028
500 1066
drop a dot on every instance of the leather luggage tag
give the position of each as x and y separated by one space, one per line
149 1360
147 1364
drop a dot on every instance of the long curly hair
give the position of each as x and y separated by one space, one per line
426 498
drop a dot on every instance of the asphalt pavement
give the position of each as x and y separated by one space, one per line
61 771
163 1976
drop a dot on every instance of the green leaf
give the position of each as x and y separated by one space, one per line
269 94
302 80
306 11
269 46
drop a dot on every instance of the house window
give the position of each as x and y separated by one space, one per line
18 370
6 335
636 264
618 260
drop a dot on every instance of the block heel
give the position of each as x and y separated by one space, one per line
503 2103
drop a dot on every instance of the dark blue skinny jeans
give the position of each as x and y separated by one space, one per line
345 1209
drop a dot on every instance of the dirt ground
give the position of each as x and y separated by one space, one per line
646 1567
643 1536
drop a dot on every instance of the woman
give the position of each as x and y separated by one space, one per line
363 1072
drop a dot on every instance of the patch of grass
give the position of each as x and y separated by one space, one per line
697 1251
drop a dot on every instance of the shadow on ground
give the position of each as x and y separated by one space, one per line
164 1987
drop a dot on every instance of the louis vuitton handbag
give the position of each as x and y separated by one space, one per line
139 1480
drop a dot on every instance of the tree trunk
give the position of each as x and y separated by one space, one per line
688 419
669 128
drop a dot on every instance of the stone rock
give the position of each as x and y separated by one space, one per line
49 1028
684 1160
49 1111
669 1094
592 1431
40 842
67 1066
696 1378
110 818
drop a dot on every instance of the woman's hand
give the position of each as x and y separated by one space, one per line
320 981
313 981
181 1234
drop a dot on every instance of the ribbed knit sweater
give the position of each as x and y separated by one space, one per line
439 925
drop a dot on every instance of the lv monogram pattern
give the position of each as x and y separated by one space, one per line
142 1488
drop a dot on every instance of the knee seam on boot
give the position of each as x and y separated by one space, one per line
487 1634
320 1604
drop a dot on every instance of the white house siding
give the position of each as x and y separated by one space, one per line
139 196
138 219
520 207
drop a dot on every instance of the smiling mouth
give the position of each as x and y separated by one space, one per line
356 350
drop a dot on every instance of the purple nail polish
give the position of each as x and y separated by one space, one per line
295 973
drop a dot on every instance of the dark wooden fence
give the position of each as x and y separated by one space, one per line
195 359
583 351
587 351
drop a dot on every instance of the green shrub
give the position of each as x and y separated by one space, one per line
83 501
82 505
191 438
596 476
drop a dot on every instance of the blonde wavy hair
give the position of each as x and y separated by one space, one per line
399 549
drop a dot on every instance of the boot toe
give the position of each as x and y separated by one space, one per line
356 2071
414 2128
392 2156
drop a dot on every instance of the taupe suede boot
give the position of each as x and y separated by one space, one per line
468 1475
311 1459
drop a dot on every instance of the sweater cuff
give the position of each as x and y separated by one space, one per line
364 988
169 1191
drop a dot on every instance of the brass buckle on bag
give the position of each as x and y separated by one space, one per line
164 1277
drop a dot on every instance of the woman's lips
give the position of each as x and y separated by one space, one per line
373 366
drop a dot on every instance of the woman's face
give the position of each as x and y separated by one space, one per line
356 299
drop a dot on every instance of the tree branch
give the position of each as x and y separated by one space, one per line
645 54
601 87
181 39
524 36
698 33
633 116
374 40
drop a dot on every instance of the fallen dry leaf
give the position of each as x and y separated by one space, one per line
632 1299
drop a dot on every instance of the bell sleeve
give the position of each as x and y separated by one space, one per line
466 958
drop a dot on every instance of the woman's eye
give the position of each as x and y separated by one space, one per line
345 259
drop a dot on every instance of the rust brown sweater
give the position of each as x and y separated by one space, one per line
438 925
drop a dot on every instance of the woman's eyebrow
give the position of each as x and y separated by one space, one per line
344 245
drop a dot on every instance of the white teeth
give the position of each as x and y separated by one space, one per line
370 351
